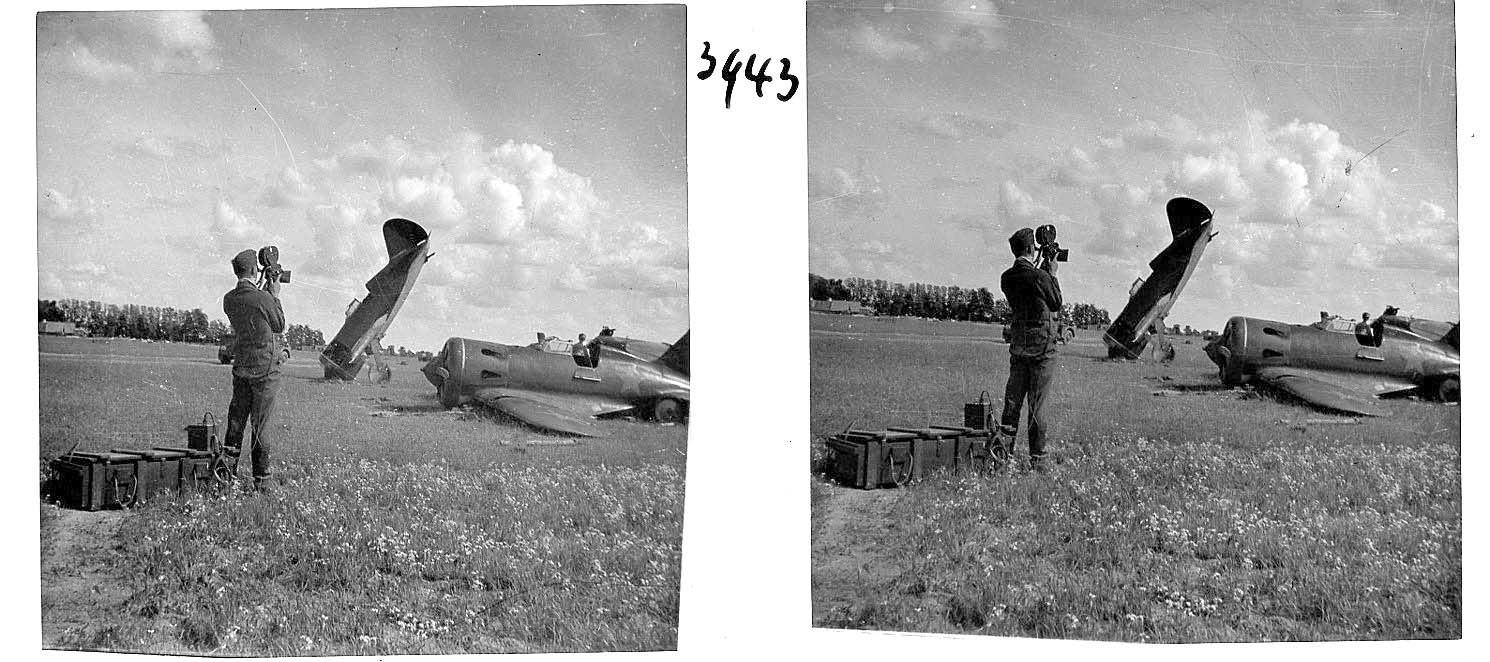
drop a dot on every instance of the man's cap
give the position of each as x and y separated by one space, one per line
245 262
1022 241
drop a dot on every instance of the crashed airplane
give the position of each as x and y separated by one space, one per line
1342 371
561 391
1151 298
408 250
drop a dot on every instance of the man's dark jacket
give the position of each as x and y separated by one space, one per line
1034 296
257 319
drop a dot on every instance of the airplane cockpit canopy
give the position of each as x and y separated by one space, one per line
1430 330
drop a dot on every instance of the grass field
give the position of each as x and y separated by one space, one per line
399 527
1176 510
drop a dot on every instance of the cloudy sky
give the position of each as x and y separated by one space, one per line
543 148
1322 135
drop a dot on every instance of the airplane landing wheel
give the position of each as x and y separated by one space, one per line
668 410
449 394
1448 390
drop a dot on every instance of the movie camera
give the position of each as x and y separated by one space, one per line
1046 245
269 262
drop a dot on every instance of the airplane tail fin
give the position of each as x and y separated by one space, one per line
676 357
1185 214
401 234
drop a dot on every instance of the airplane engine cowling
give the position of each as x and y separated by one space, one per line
465 364
1246 344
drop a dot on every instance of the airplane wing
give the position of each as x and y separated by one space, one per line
540 414
561 412
1326 390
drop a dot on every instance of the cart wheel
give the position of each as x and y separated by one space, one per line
222 473
667 410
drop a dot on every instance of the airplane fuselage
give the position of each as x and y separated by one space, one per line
1170 270
386 293
1248 344
618 381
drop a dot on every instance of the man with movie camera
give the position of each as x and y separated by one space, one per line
257 318
1034 297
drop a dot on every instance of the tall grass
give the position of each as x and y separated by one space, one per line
1213 516
1146 540
369 558
399 527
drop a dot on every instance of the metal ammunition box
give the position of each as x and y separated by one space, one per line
90 481
196 466
872 459
158 472
973 451
934 449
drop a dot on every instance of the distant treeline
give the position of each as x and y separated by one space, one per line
936 301
130 320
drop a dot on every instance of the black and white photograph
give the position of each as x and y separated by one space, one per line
362 331
1135 322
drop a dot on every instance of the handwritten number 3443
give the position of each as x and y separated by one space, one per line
731 70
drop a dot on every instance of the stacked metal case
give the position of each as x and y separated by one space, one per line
872 459
123 476
90 481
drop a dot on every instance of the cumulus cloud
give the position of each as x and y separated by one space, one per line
1285 193
185 42
162 148
506 221
234 231
81 60
288 188
55 207
1075 168
1020 208
1123 218
66 280
872 40
920 30
839 259
1295 204
122 47
958 126
853 193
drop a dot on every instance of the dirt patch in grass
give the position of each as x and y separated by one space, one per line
77 580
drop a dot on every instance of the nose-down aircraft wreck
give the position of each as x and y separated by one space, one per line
1342 371
408 250
1190 225
563 391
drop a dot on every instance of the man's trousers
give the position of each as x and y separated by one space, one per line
253 401
1029 379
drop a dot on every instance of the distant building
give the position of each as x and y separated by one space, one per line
839 307
57 328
